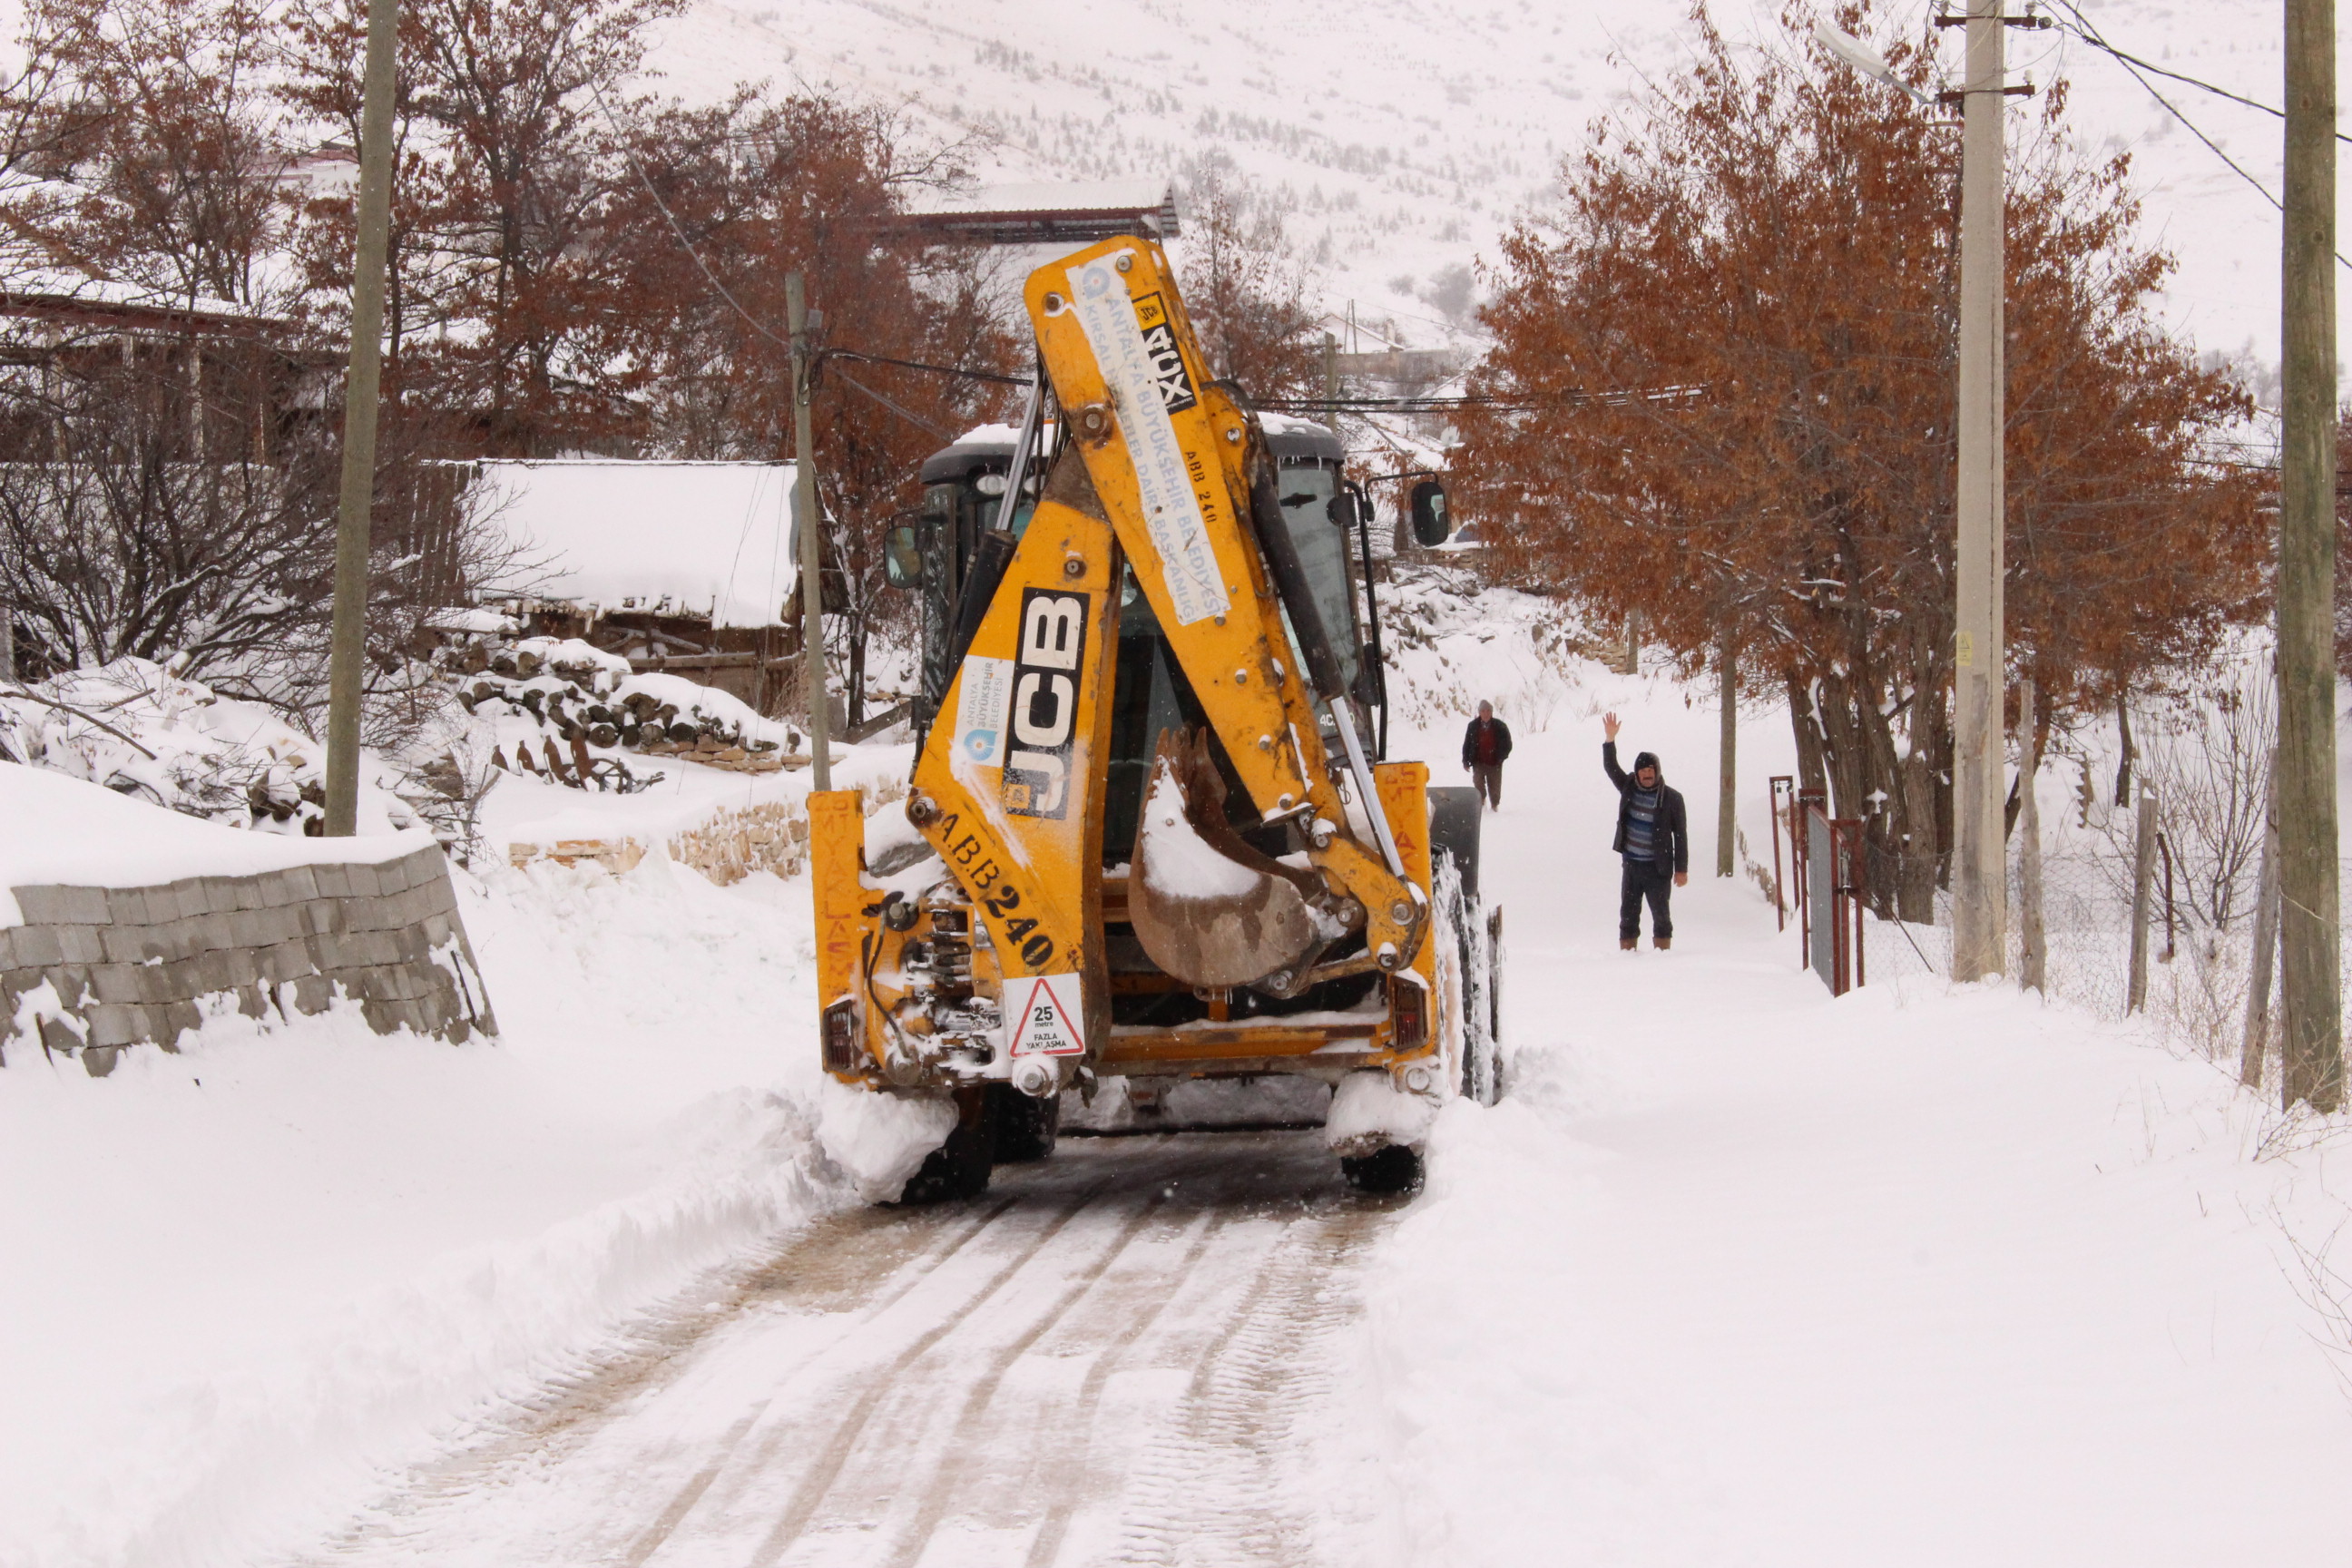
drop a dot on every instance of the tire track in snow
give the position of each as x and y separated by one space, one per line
831 1257
970 1423
1209 1490
1069 1459
683 1502
834 1455
1112 1357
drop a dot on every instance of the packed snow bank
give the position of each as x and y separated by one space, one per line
1369 1110
247 1282
879 1140
64 830
1741 1274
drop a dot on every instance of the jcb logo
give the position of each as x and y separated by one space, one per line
1168 372
1045 674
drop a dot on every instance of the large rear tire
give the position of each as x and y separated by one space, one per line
1026 1126
1391 1168
959 1167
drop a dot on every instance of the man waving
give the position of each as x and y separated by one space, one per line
1653 836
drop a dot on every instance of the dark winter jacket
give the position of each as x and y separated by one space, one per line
1673 830
1502 734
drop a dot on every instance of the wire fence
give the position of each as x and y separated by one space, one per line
2199 940
2086 899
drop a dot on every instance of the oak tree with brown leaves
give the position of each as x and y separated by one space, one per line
1721 396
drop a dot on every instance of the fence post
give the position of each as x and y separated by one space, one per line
2267 929
2032 938
2143 891
1783 790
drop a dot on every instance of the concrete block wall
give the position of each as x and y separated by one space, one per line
130 966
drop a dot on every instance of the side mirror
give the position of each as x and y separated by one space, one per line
1432 523
902 557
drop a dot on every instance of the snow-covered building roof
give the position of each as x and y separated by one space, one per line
80 300
1068 213
690 539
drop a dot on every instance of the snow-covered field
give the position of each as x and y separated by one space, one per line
1735 1273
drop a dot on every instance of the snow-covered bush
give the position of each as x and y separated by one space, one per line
141 731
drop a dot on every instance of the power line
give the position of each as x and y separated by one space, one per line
964 371
613 123
1520 405
2083 30
2089 35
902 412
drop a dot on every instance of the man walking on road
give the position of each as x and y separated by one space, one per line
1653 837
1484 744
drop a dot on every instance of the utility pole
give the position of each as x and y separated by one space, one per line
2310 996
805 506
1980 885
1726 806
347 653
1331 381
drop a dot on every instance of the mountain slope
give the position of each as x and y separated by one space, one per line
1401 138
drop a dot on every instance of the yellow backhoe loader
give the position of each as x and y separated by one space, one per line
1144 837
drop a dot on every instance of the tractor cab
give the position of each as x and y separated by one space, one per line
937 553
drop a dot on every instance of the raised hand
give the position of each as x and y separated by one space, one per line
1609 726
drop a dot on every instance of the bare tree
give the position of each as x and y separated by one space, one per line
121 537
1246 287
2209 757
169 130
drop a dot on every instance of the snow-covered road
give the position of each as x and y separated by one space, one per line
1115 1355
1738 1275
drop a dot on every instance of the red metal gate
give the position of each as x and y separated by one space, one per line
1829 886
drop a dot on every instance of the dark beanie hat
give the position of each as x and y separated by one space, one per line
1646 759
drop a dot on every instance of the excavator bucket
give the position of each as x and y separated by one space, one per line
1207 908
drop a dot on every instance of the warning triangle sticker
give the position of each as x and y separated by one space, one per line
1045 1025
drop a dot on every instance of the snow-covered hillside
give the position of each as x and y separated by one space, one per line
1402 136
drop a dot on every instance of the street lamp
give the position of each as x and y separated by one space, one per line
1865 58
1980 871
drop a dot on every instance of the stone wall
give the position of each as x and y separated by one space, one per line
125 966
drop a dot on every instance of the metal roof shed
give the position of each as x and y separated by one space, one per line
1047 213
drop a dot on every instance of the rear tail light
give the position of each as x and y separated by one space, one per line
841 1052
1409 1006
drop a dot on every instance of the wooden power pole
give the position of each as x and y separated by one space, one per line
1980 878
347 651
1727 804
2310 995
812 553
1331 381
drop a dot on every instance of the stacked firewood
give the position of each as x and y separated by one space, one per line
587 701
734 842
769 836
